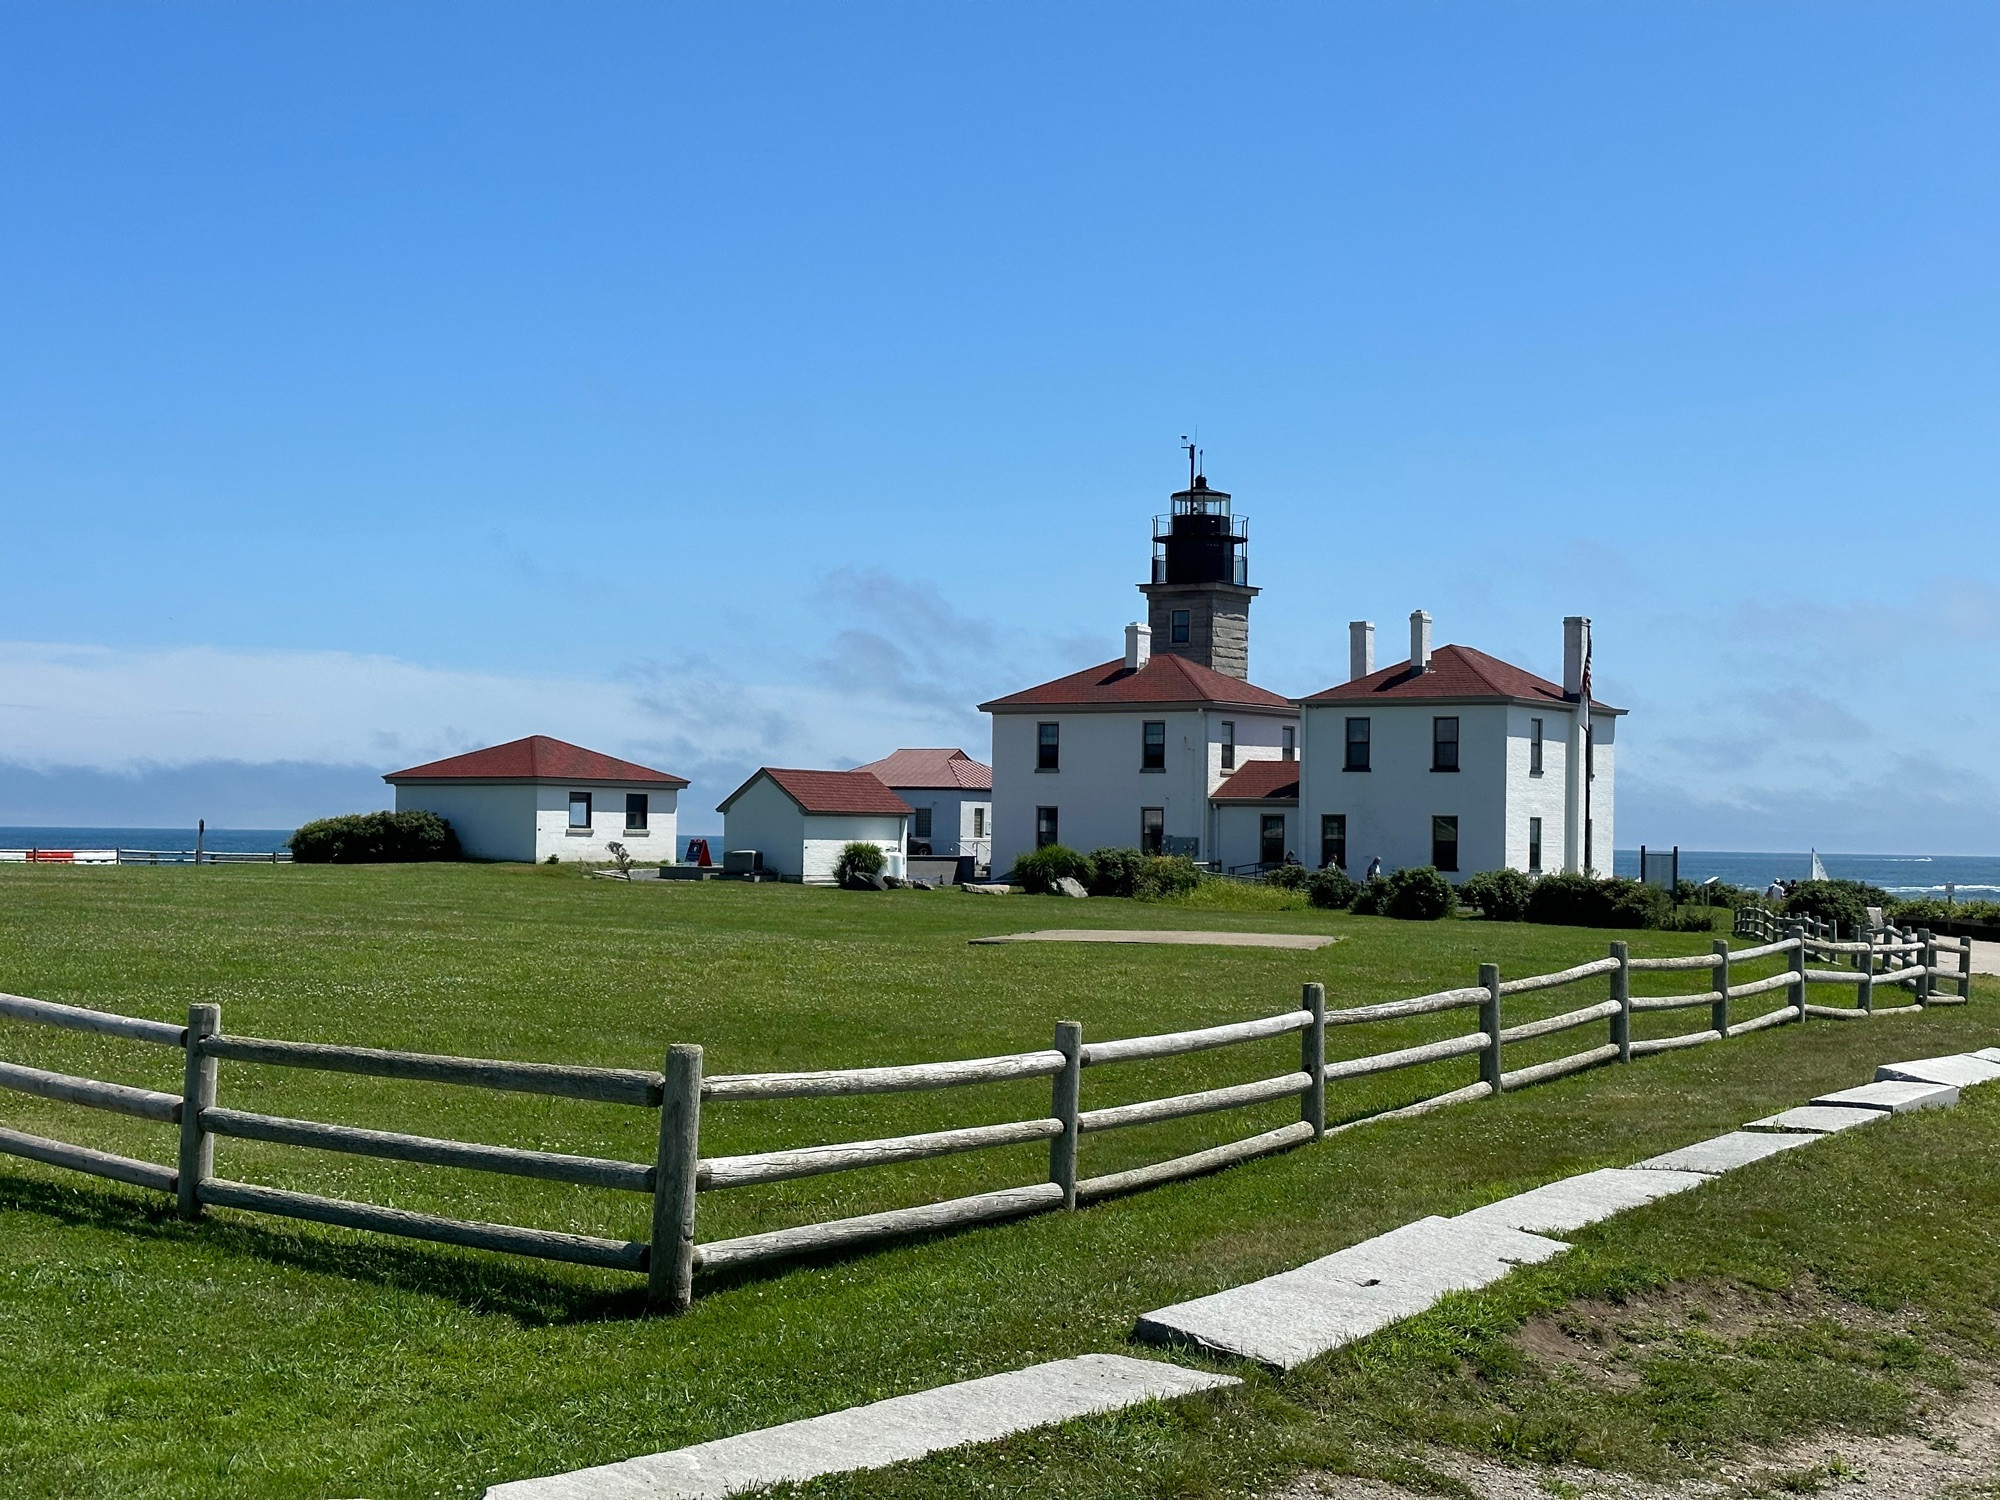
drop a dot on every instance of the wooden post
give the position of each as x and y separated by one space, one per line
1489 1022
670 1261
1864 994
1795 992
1929 957
1965 967
1312 1059
1718 1012
197 1158
1065 1096
1621 991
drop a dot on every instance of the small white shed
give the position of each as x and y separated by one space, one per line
533 798
798 821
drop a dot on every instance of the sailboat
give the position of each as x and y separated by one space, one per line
1818 871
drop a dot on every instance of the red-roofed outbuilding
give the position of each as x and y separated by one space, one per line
951 801
798 821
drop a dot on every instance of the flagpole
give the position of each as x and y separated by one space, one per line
1589 761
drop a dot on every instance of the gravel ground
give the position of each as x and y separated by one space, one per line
1957 1457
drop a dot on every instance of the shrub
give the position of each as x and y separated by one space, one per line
1501 895
1417 894
1040 871
858 858
374 838
1162 876
1288 877
1842 901
1331 889
1579 901
1722 893
1115 872
1929 911
1368 898
1691 919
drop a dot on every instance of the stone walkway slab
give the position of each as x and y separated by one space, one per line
1960 1072
1137 935
1287 1319
1726 1152
1576 1201
1894 1098
879 1434
1816 1119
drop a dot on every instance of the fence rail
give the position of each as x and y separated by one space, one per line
679 1173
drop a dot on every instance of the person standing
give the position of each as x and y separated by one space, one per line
1375 868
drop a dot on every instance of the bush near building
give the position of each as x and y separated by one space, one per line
1500 895
374 838
1581 901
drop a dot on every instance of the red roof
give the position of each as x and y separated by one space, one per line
829 792
1163 680
536 758
1455 672
952 769
1260 781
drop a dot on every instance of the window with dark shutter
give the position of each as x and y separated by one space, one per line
1444 744
1357 745
1153 752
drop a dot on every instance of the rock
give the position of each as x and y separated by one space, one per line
986 888
860 882
920 885
1069 885
893 883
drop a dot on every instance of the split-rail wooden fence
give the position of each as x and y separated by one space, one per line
680 1174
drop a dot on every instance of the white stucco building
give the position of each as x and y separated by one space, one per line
1457 759
533 798
1126 754
798 821
1257 818
950 796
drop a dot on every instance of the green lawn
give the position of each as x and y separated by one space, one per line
249 1356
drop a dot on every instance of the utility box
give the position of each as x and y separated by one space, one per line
742 862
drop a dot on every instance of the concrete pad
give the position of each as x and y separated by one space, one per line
1584 1199
1210 939
1894 1098
1725 1153
1990 1054
878 1434
1816 1119
1960 1072
1287 1319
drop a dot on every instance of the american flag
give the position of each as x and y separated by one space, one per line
1586 664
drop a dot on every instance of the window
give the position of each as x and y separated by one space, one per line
635 812
1534 747
1444 744
1153 754
1357 745
1177 632
1291 750
579 809
921 827
1333 840
1045 827
1152 829
1228 744
979 822
1271 839
1048 747
1444 843
1535 839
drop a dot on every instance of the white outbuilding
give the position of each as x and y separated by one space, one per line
798 821
539 797
951 800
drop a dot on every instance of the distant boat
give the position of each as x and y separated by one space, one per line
1818 871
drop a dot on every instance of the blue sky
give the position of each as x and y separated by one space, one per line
770 384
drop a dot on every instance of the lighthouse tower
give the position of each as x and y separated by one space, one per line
1199 596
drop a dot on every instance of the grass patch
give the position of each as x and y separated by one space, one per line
248 1356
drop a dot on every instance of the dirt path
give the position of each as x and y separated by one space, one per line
1955 1457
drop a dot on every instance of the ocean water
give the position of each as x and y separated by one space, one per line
1973 877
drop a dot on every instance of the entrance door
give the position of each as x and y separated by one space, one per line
1271 839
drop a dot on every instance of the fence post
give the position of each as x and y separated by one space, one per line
1064 1098
1795 992
1489 1022
1312 1059
670 1260
1621 991
1929 957
1864 994
1965 967
1718 1012
197 1157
